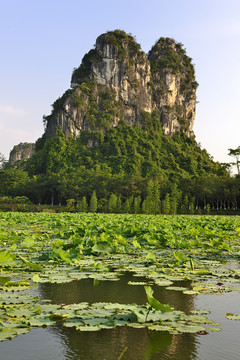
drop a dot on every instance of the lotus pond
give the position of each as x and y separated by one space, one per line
95 286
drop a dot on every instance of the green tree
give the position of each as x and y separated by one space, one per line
137 204
70 204
176 195
152 200
84 205
127 206
192 206
185 205
93 202
236 154
119 203
112 203
13 182
166 205
3 161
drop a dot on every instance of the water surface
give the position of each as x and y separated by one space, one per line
61 343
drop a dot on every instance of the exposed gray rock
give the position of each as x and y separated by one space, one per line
22 151
117 81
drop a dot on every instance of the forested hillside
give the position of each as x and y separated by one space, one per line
126 169
121 139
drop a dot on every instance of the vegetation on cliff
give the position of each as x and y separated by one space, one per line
105 146
128 169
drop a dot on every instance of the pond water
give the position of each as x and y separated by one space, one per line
61 343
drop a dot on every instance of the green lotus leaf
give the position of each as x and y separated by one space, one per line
231 316
200 312
58 316
49 308
30 264
163 282
136 244
180 257
99 312
137 283
7 258
136 325
40 321
21 311
155 303
176 288
158 327
189 328
199 319
36 278
202 272
129 317
16 283
102 247
4 280
214 329
7 298
151 257
190 292
28 241
88 328
7 334
59 278
75 307
97 321
104 277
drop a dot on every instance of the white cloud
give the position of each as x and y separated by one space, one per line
9 110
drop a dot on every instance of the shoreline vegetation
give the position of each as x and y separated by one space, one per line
23 204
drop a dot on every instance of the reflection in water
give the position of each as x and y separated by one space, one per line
158 341
62 343
113 291
109 344
140 344
224 344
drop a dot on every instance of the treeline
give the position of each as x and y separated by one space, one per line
125 169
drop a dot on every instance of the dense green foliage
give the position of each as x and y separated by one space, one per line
130 169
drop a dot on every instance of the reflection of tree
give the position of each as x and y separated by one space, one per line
109 344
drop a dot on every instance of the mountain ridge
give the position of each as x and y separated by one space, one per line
117 81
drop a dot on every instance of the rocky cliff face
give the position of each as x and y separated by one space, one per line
174 86
22 151
117 82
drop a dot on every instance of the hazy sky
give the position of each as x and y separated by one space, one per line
43 40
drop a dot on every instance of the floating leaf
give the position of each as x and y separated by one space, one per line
214 329
137 283
231 316
7 334
151 257
17 283
4 280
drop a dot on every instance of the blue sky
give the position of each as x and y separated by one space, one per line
43 40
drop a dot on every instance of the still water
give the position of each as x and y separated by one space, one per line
61 343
